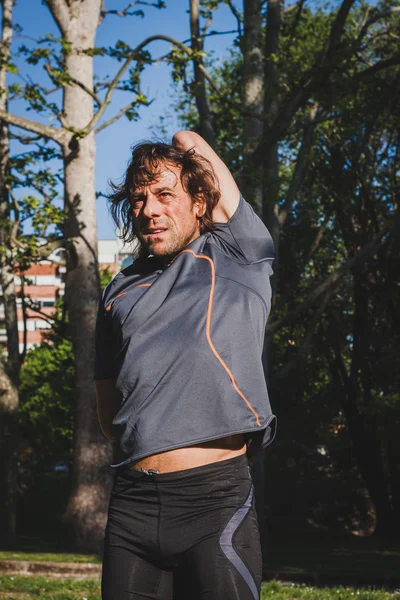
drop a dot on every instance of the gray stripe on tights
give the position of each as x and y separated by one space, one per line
226 544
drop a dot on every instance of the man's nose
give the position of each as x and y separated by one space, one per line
151 207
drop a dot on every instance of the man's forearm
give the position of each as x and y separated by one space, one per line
230 194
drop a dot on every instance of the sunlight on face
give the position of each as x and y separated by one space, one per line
166 219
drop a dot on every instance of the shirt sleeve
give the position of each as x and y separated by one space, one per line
244 236
104 365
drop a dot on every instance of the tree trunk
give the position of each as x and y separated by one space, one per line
9 373
206 127
271 109
363 427
251 182
8 463
87 505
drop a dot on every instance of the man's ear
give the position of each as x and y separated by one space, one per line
200 208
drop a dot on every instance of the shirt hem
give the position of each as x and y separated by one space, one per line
267 423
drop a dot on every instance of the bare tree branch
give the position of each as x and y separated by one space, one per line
368 250
96 118
60 11
293 363
24 139
200 94
313 80
379 66
292 7
102 13
301 165
330 46
16 223
299 5
58 135
127 10
51 74
318 237
237 15
204 28
372 16
252 97
115 118
24 318
33 306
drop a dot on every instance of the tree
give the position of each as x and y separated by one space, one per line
199 87
72 70
9 371
315 62
68 62
360 341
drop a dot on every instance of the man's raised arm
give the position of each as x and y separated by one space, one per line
230 194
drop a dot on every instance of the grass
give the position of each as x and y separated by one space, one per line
31 548
274 590
336 558
13 587
29 588
312 556
50 557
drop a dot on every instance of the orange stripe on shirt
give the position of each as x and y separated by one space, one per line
144 285
208 334
108 307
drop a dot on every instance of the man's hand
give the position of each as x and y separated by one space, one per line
230 194
107 406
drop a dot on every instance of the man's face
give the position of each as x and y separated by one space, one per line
165 217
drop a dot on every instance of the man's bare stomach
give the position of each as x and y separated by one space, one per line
193 456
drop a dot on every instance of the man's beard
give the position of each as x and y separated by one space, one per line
168 250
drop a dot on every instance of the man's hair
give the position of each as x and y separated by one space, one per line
148 158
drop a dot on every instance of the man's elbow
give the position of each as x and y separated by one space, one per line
186 139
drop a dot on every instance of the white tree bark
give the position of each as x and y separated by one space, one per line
9 372
87 506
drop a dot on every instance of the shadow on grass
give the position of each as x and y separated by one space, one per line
327 558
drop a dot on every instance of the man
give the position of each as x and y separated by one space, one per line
180 383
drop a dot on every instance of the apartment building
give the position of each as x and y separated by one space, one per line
44 285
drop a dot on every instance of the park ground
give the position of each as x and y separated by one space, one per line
306 566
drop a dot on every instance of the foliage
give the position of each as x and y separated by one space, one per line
338 357
67 589
105 277
47 403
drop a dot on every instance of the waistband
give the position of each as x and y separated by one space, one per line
220 468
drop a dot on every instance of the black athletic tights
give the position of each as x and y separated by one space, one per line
188 535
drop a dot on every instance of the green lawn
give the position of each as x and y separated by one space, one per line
50 557
29 588
34 549
333 559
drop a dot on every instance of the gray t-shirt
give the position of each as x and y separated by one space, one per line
184 343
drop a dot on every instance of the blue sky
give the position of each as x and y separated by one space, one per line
113 143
